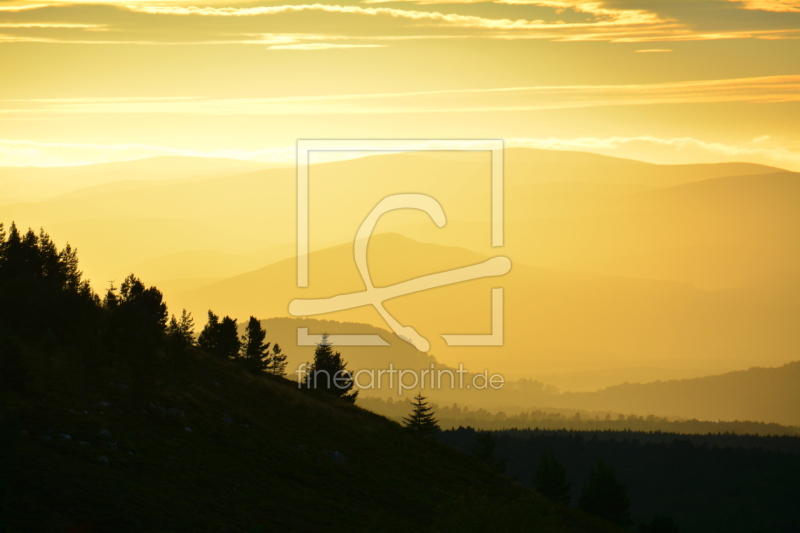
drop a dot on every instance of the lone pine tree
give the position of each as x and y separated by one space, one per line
328 372
551 479
421 419
276 363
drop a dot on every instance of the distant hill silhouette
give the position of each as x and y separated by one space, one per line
632 264
236 198
765 394
554 320
30 183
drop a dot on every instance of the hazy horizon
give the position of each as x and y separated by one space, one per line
201 266
650 168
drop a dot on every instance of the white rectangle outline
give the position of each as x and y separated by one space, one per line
305 146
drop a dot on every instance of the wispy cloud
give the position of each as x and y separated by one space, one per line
16 9
584 20
452 19
770 89
321 46
777 6
49 25
653 50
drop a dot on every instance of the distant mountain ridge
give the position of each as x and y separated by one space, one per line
763 394
615 263
554 320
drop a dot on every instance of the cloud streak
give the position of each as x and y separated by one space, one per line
450 19
321 46
770 89
17 9
776 6
587 21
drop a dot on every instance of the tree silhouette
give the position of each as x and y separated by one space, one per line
484 450
220 337
42 293
229 344
276 363
605 496
137 327
551 479
328 372
254 352
209 337
143 315
421 419
180 332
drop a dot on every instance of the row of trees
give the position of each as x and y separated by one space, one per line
221 338
45 303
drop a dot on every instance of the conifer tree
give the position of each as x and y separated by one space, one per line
421 419
229 344
220 337
277 361
137 328
143 313
41 290
110 300
605 496
254 351
329 372
209 337
551 479
181 332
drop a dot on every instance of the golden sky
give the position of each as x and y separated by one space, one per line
667 81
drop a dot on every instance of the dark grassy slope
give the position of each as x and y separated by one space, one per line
260 456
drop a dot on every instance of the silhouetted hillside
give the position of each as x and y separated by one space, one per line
111 420
217 449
